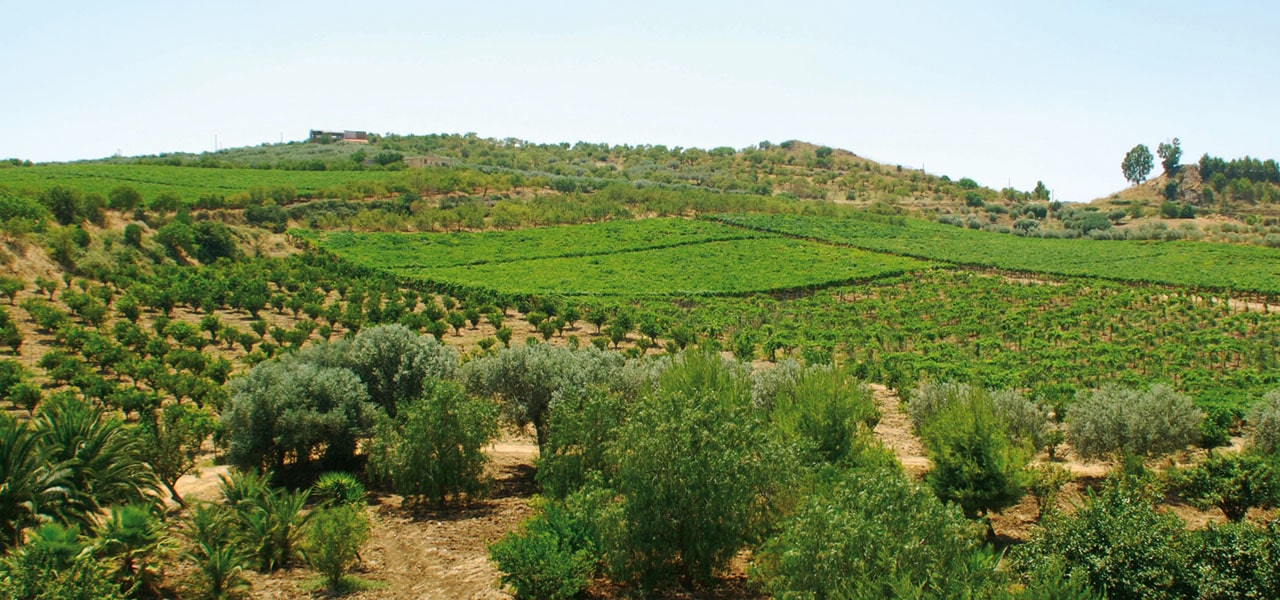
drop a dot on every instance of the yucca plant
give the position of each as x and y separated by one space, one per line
213 549
339 488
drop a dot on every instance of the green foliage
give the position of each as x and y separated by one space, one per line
975 464
213 548
124 198
339 488
874 534
133 539
696 474
551 557
35 488
1237 267
55 565
1233 482
1137 164
1114 421
1265 420
65 204
825 410
526 378
1118 541
433 447
333 539
1234 560
171 441
394 362
268 522
102 459
1170 154
583 423
289 408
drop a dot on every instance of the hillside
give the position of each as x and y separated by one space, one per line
536 362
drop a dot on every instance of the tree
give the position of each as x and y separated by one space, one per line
124 198
975 464
290 407
1232 482
1170 155
65 204
1137 164
171 442
526 378
1041 192
1115 422
871 534
433 447
393 361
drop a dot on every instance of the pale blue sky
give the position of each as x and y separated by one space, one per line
1003 92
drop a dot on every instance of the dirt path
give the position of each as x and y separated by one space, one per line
417 552
894 430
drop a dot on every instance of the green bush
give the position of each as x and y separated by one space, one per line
583 422
1265 420
1232 482
825 409
976 463
874 534
433 447
215 552
1235 560
1113 421
551 557
55 564
338 488
697 474
333 539
269 522
1118 541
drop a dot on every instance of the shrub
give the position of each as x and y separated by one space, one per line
269 522
975 464
1232 482
433 447
53 564
696 473
288 408
1265 419
583 422
1114 421
1118 541
551 557
874 534
338 488
212 547
333 541
1234 560
825 409
133 539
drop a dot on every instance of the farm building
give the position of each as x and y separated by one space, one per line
356 137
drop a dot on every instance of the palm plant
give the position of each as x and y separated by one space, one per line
102 459
34 486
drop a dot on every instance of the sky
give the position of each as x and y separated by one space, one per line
1007 93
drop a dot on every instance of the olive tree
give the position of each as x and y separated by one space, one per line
393 361
526 378
1114 422
1137 164
1265 419
290 408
